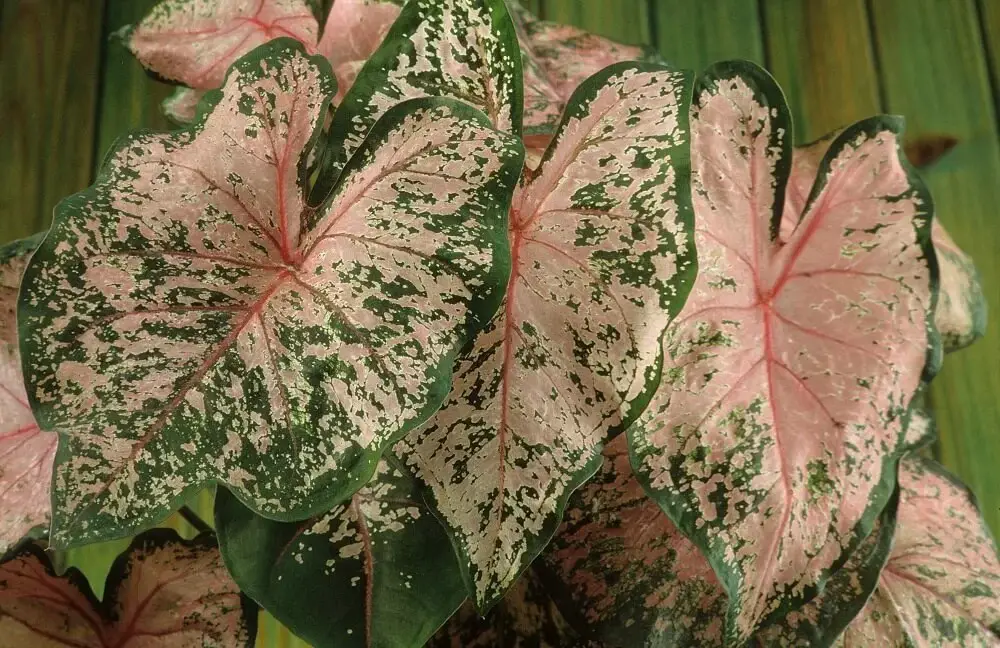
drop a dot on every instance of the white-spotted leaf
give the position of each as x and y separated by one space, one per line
602 258
377 570
26 452
625 570
354 30
188 320
194 42
773 439
463 49
163 591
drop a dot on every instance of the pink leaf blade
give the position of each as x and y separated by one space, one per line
961 312
554 374
181 107
773 439
26 452
195 42
354 30
186 315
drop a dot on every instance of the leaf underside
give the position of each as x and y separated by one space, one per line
187 320
377 570
773 439
163 591
26 452
602 258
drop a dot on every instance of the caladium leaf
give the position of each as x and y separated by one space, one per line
187 320
377 570
556 59
773 439
464 49
626 571
163 591
26 452
181 107
195 41
354 30
960 313
526 618
941 585
602 258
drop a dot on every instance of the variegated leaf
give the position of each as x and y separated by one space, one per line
26 452
773 439
181 107
626 571
960 313
354 30
526 618
464 49
195 41
941 585
163 591
185 321
377 570
556 59
602 258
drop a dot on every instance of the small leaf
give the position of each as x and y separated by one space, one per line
602 258
189 320
26 452
162 591
181 107
773 440
195 41
941 585
375 571
526 618
627 572
464 49
960 313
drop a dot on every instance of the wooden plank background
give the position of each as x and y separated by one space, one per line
67 91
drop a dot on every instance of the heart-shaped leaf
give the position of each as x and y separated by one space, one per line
556 59
940 587
163 591
26 452
602 258
354 30
377 570
189 320
526 618
464 49
960 313
773 439
626 571
195 41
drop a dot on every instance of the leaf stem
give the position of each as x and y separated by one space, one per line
194 520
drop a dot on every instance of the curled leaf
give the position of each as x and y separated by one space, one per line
163 591
602 258
189 320
26 452
377 570
354 30
195 41
773 439
626 571
181 107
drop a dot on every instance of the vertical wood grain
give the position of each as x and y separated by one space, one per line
694 35
934 71
49 64
821 53
989 18
623 20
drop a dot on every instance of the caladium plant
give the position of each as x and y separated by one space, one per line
414 362
163 591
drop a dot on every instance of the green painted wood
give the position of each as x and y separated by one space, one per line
934 71
821 53
696 34
626 21
534 6
49 61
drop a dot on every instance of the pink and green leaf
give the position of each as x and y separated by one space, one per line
163 591
773 440
181 107
625 570
189 320
26 452
376 570
602 258
462 49
194 42
354 30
